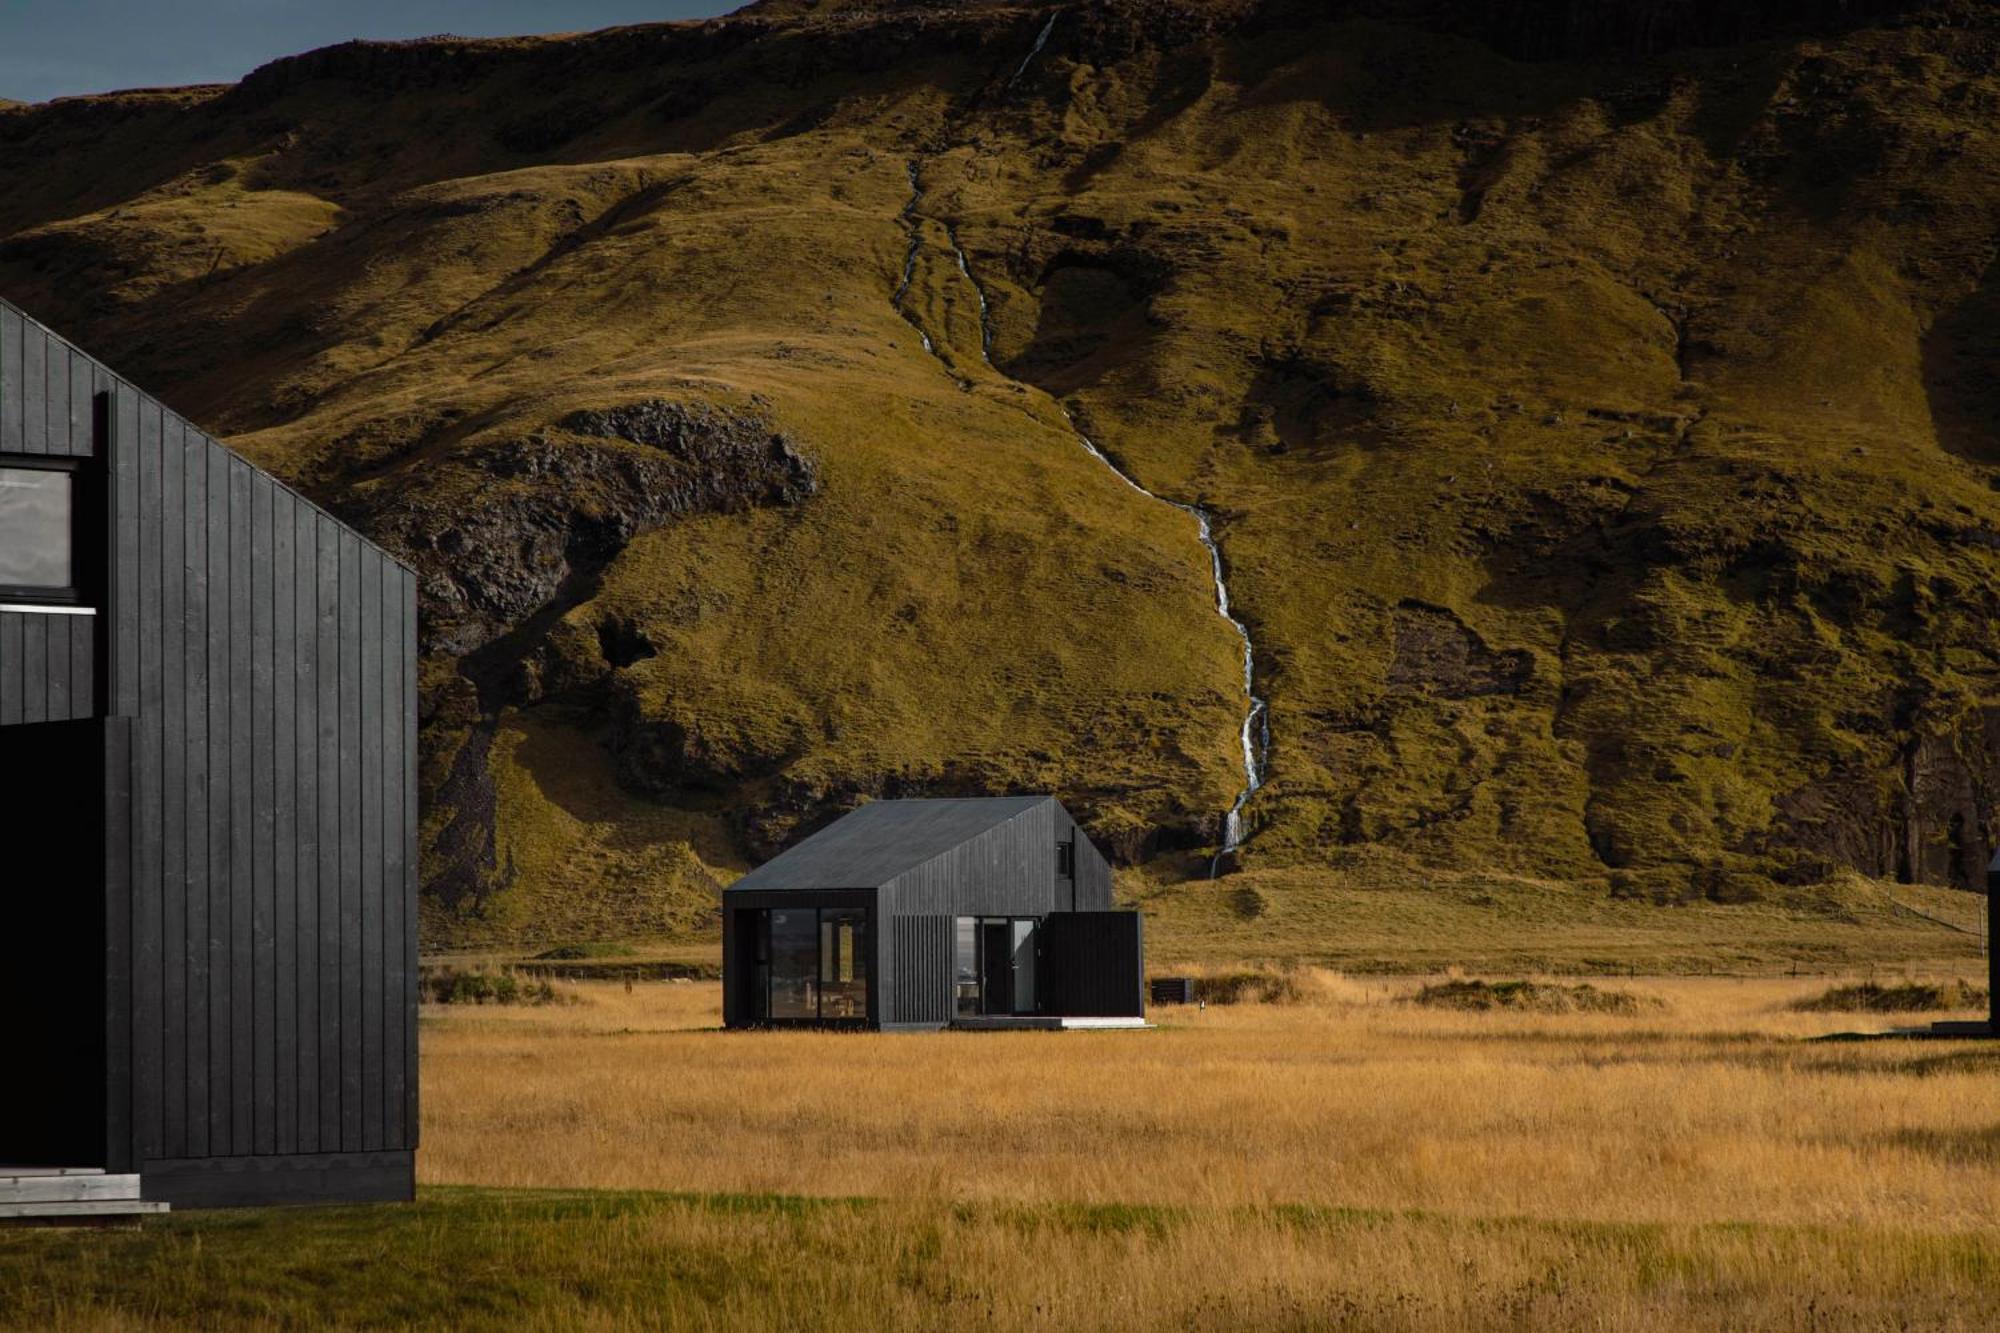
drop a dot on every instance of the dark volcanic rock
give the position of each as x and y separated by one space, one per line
1922 821
1437 654
500 534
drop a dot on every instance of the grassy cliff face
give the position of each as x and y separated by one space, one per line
1601 448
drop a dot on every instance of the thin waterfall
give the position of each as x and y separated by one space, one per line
1041 40
1256 731
1255 734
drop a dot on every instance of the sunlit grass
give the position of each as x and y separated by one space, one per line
1703 1106
1343 1156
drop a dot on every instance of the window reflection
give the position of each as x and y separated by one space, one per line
816 963
36 507
794 963
965 974
843 963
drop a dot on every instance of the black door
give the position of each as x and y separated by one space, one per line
52 980
996 966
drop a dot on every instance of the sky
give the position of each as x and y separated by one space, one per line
54 48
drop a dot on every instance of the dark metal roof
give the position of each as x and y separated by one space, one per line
871 846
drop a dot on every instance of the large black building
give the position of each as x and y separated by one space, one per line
927 914
208 729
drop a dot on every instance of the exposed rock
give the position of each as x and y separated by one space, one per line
1925 820
622 643
498 536
1437 654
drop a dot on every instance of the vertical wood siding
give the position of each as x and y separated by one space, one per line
274 880
47 668
1093 965
264 656
47 663
922 971
1009 870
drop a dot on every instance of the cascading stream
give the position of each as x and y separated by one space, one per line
1255 734
915 225
1256 731
1041 40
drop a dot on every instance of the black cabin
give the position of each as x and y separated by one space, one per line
926 914
208 730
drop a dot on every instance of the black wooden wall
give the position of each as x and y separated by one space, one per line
265 656
1093 965
923 952
47 662
1009 870
47 667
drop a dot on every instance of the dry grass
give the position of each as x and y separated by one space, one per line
562 1260
1539 997
1337 1158
1708 1109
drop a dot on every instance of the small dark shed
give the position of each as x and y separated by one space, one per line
926 914
208 716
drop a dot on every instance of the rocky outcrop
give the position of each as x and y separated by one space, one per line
1923 817
1437 654
506 527
508 538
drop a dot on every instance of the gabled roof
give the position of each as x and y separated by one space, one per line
868 847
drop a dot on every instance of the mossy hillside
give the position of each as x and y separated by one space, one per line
1378 910
1598 449
1642 394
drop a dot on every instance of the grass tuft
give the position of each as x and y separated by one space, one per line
1909 997
1531 997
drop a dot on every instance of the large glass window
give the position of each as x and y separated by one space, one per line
843 963
816 963
794 963
37 541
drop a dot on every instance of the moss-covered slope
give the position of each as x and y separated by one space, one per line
1601 446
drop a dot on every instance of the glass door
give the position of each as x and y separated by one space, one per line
994 970
813 966
794 954
1021 956
843 963
996 965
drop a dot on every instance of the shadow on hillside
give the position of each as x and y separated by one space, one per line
1961 359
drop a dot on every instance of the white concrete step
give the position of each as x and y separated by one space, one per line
48 1188
84 1208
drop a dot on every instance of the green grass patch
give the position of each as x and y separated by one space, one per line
477 1258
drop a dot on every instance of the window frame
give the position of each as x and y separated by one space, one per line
84 535
862 957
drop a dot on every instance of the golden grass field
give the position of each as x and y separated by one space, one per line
1709 1109
1343 1157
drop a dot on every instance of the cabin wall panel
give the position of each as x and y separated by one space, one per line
1093 964
920 988
149 759
255 661
273 805
1009 870
13 402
